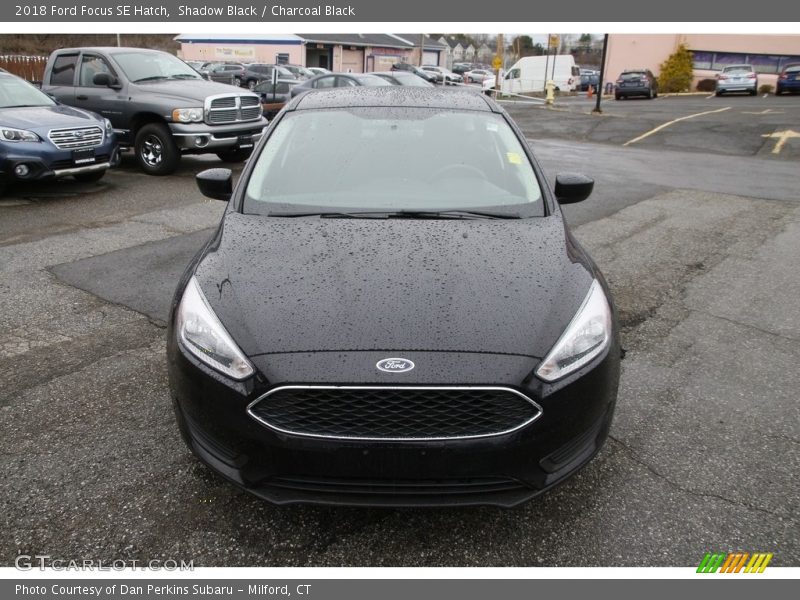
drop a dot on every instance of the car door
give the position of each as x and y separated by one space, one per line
61 83
102 99
326 82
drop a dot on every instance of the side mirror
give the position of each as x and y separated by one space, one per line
573 187
216 183
105 80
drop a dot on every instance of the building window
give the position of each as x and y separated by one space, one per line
762 63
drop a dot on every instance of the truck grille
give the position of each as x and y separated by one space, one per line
233 109
76 138
394 413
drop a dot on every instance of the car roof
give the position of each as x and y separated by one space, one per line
394 97
112 50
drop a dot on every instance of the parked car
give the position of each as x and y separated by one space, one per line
319 70
461 68
334 80
274 96
257 72
157 104
41 139
788 80
443 75
406 78
478 76
230 73
737 78
474 358
636 82
300 72
402 66
589 80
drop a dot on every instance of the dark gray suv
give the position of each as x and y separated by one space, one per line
636 82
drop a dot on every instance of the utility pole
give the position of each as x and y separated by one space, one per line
421 48
499 53
597 109
119 42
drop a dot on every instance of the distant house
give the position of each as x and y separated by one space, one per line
484 54
454 49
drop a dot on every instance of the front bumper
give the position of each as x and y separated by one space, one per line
201 137
502 470
44 161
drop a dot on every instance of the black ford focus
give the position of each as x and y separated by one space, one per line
393 311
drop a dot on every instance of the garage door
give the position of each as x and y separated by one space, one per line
430 58
353 61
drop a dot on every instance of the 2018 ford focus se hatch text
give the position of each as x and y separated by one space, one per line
393 311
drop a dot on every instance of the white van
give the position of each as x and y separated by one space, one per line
528 75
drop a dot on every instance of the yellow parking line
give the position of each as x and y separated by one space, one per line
664 125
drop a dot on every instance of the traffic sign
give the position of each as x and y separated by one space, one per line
497 62
554 40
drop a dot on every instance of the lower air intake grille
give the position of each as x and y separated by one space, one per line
394 413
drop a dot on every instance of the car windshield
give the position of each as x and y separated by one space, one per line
411 80
15 92
371 81
738 69
151 66
396 159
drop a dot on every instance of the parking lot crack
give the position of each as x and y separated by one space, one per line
631 453
782 336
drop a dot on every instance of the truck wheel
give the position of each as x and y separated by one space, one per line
2 188
234 156
90 177
156 151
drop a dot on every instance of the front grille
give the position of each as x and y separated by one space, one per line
232 109
394 413
76 138
432 487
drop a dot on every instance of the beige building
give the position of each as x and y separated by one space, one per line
767 53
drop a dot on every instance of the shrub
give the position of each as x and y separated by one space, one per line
706 85
765 89
677 71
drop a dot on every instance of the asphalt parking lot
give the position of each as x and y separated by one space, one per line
697 228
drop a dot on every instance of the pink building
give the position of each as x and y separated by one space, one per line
767 53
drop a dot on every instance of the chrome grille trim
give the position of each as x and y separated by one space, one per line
495 388
232 108
76 138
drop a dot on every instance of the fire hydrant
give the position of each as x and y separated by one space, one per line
549 88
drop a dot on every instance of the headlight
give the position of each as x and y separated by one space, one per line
109 126
187 115
204 336
587 335
19 135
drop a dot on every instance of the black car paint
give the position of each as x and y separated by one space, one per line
313 301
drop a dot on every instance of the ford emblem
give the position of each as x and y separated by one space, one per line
395 365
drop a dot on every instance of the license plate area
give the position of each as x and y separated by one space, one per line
245 141
83 157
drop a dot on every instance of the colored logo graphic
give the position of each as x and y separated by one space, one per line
734 563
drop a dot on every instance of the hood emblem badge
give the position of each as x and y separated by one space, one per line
395 365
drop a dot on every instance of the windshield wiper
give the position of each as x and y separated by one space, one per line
184 76
453 214
333 215
151 78
401 214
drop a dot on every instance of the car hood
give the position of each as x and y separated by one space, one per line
282 285
188 89
37 118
